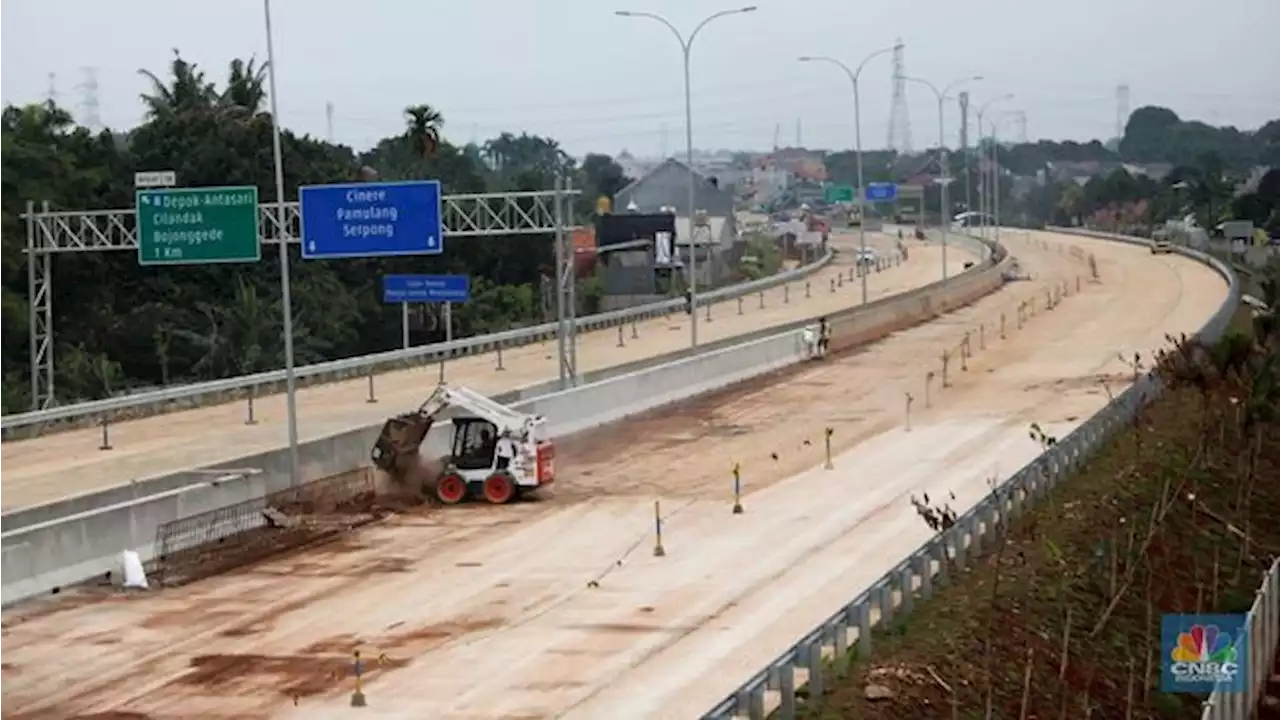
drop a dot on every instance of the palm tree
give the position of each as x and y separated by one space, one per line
189 91
423 128
246 89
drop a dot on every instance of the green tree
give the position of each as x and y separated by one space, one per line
423 132
245 93
188 91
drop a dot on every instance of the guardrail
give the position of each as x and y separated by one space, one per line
32 423
1262 625
895 592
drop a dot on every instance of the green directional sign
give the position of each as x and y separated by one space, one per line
198 225
838 193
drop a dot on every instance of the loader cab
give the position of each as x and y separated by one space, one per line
474 443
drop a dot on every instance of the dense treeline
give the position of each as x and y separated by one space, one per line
1210 174
119 326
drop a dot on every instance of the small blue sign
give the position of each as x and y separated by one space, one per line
371 220
881 192
426 288
1203 653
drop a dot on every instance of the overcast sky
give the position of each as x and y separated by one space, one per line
573 70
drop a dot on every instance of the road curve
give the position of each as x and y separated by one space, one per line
487 612
65 464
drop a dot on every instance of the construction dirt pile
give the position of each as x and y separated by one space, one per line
414 486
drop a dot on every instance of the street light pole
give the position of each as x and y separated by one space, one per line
291 384
857 139
685 46
984 203
945 181
995 177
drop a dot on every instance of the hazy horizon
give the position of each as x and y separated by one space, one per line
574 71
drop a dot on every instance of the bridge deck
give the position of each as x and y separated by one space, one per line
489 607
65 464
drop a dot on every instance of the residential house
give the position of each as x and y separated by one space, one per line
634 167
715 240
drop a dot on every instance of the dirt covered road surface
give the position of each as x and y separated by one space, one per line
69 463
559 608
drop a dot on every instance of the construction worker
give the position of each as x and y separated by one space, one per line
505 452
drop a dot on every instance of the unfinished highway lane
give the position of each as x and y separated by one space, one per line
484 612
69 463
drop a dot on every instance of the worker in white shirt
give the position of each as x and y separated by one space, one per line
505 451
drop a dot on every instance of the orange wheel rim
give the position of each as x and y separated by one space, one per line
498 488
451 488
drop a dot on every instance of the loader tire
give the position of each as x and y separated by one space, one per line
451 489
500 488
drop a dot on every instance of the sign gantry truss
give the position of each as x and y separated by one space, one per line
56 232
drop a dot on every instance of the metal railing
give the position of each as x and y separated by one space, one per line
896 591
1262 626
370 364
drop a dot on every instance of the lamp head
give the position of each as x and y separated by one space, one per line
623 13
805 58
749 8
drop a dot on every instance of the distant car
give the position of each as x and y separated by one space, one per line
1160 246
865 256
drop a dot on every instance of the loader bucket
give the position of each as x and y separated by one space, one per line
397 446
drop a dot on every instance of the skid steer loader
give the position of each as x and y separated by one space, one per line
496 453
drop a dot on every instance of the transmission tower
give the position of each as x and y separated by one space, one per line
328 120
777 135
89 108
1122 109
1022 127
52 96
899 122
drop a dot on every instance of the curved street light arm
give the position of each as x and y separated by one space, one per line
983 109
947 90
722 13
882 51
654 16
937 92
823 58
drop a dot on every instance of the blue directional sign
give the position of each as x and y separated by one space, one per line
881 192
371 220
426 288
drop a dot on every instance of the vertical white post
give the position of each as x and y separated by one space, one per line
291 400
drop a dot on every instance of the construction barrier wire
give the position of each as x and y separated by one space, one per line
213 542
